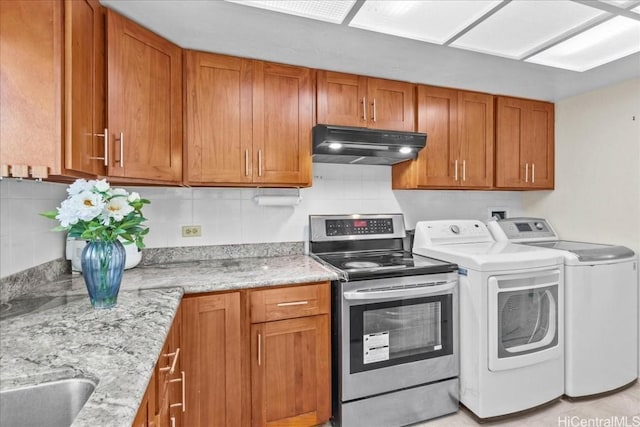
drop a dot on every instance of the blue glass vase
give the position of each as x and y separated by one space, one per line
102 268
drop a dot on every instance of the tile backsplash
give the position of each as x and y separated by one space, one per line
232 216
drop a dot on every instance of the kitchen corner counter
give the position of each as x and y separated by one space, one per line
115 348
59 335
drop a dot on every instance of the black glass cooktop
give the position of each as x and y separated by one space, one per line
379 264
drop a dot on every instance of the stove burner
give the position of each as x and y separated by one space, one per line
361 264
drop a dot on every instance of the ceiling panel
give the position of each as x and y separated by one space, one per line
434 21
520 27
611 40
323 10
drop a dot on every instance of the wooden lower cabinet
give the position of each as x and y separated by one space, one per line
290 372
212 341
147 411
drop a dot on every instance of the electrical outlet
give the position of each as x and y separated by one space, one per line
191 231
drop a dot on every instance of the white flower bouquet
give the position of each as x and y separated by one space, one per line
96 212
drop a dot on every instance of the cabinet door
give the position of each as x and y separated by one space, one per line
282 122
177 392
341 99
146 415
524 143
391 105
539 128
145 102
218 118
438 118
31 78
475 135
290 372
84 87
212 342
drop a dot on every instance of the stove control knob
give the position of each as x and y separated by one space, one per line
539 225
454 229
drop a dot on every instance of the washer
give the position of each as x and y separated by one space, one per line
511 316
601 308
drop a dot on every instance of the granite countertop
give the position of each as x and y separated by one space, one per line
54 333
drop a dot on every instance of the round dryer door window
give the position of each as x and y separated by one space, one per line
524 313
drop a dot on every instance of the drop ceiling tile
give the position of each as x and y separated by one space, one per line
323 10
611 40
521 26
434 21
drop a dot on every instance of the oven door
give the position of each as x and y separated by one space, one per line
398 333
525 319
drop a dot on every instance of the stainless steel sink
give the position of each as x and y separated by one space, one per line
50 404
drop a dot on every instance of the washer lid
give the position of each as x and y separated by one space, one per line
588 252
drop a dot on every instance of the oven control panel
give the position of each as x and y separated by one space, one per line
357 227
326 228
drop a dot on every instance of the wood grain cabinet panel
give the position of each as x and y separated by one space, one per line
31 90
144 113
84 80
211 337
460 141
352 100
524 144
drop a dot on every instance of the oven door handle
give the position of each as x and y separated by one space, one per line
401 292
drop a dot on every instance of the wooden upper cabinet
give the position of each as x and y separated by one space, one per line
247 122
524 144
31 97
459 150
84 81
282 122
144 112
351 100
218 119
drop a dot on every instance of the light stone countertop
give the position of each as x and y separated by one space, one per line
59 335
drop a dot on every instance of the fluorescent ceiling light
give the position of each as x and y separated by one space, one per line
323 10
611 40
434 21
521 26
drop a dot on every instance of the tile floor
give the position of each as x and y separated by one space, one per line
621 409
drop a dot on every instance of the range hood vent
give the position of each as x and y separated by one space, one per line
362 146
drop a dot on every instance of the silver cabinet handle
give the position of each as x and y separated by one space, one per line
464 170
526 172
395 293
533 173
246 162
259 349
285 304
121 139
175 355
183 382
455 170
364 108
105 136
173 421
374 110
260 162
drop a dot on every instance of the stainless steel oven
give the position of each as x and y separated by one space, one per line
394 324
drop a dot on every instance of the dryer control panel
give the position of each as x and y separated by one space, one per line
522 230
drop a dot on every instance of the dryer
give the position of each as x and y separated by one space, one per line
511 317
601 306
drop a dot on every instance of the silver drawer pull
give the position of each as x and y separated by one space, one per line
286 304
171 368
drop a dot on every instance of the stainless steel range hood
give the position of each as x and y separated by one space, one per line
362 146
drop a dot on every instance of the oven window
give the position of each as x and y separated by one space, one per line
527 321
396 332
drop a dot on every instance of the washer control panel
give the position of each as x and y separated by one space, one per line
522 229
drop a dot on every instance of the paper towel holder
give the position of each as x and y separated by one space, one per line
277 197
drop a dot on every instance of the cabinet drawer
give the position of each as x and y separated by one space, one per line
290 302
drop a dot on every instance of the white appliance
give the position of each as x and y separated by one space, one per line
601 306
511 317
74 250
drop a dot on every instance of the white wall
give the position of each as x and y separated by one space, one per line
230 216
597 194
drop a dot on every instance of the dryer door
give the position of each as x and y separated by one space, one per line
525 319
